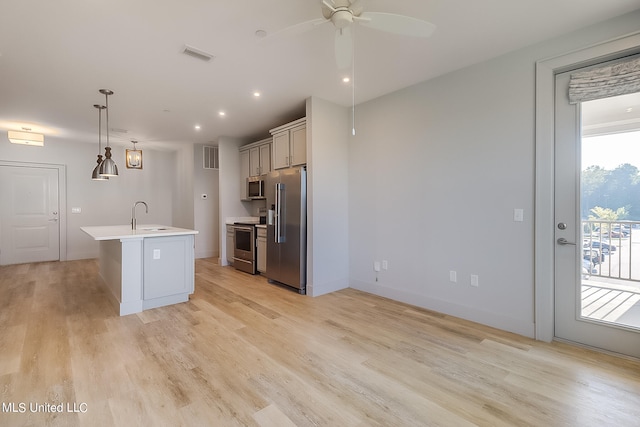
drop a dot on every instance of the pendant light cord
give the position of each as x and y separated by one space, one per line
106 97
99 131
353 83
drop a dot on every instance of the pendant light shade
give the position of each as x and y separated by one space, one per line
108 167
96 175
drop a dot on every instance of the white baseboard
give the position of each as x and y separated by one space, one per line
473 314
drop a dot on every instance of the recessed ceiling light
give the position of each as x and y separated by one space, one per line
256 94
629 110
222 114
197 127
346 79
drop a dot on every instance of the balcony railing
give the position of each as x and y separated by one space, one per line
611 249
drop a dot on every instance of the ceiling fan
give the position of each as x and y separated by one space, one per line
344 13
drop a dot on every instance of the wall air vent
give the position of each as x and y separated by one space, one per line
210 157
197 53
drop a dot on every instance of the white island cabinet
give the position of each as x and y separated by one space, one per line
149 267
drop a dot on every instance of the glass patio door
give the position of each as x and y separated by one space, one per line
597 221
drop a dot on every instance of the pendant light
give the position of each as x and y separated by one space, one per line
133 157
108 167
95 175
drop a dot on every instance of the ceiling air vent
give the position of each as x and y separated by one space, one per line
210 157
197 53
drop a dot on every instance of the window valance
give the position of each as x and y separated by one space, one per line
620 78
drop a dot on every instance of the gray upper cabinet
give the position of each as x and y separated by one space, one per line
260 159
255 159
290 144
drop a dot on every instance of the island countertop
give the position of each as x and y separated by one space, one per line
120 232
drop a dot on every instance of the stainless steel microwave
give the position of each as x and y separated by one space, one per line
255 187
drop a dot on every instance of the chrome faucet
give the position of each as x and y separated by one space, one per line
134 222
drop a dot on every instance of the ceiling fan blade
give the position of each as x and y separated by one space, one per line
356 7
331 6
296 29
396 24
344 48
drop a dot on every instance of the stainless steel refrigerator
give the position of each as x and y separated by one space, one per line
286 193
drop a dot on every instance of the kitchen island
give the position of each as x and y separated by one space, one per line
149 267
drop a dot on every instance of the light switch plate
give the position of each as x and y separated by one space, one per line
474 280
518 215
156 254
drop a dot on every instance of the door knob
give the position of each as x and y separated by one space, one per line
563 241
562 226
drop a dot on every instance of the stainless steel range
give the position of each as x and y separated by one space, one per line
244 247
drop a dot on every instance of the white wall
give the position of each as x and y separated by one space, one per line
205 210
182 186
229 193
103 203
327 199
435 172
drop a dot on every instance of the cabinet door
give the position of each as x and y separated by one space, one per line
230 244
244 173
262 254
281 150
298 146
254 161
265 159
168 268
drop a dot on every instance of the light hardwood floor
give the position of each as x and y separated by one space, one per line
245 352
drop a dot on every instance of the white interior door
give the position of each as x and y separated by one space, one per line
29 214
570 322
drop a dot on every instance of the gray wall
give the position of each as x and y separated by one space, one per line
328 200
104 203
206 181
435 173
229 193
182 186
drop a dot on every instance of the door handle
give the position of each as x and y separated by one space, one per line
53 219
563 241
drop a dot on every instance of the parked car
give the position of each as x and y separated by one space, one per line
592 255
615 233
622 230
604 247
588 269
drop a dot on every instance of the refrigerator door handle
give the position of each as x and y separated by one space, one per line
278 230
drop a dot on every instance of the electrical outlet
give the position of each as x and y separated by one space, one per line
76 210
453 276
385 264
474 280
376 266
156 254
